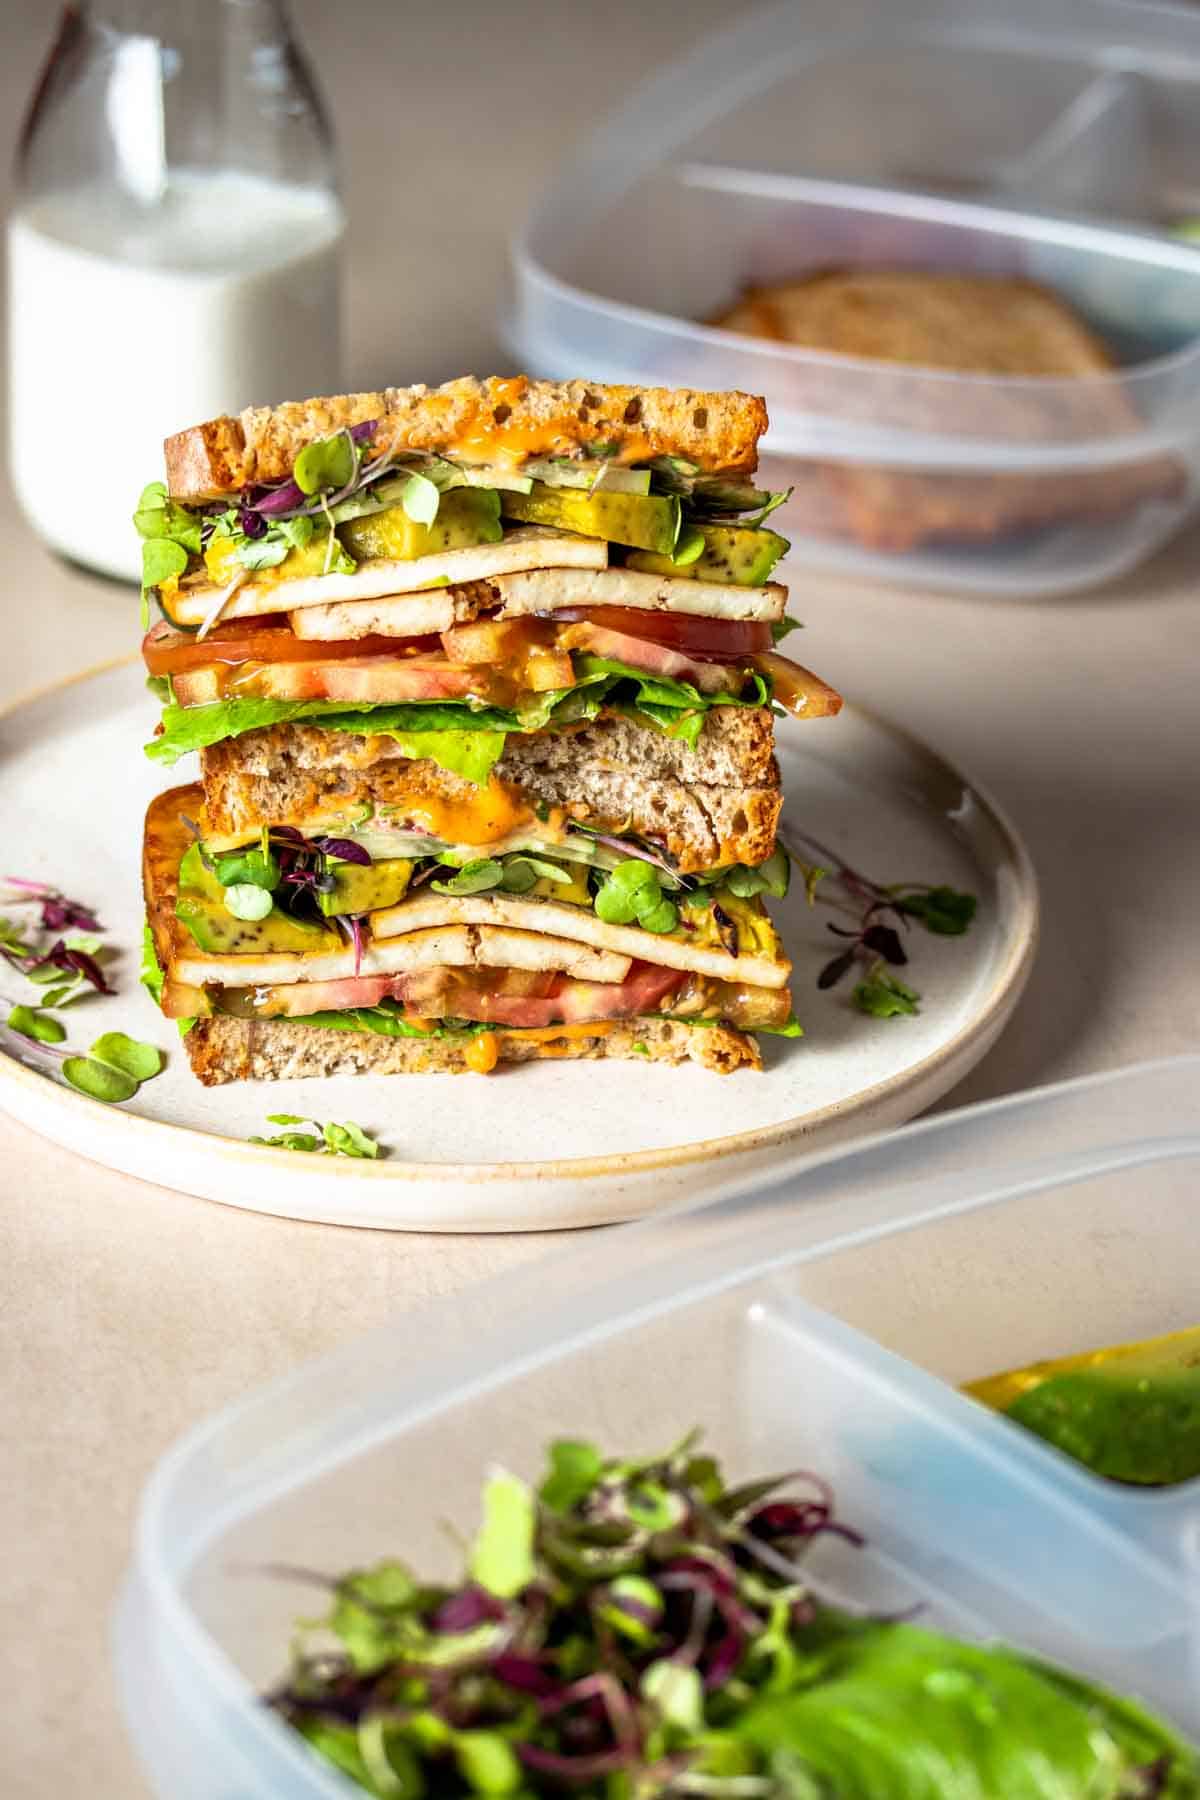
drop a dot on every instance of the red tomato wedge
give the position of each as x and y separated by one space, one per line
655 659
167 651
378 680
708 640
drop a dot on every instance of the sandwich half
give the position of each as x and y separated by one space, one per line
482 680
441 960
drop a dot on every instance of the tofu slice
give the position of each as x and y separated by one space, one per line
527 547
457 945
428 911
542 590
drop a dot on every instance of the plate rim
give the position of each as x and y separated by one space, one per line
991 1012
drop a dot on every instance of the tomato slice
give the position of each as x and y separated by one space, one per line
709 640
167 651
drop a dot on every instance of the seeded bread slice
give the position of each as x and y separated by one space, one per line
221 1048
481 420
717 804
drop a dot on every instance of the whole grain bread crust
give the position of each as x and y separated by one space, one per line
221 1049
484 420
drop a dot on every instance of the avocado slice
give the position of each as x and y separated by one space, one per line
736 555
465 516
649 521
359 889
1130 1412
200 905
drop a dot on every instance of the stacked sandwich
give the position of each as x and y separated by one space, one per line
482 680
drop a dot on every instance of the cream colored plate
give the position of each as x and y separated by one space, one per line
549 1144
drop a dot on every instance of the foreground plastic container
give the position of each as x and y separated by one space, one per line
1003 140
1043 1224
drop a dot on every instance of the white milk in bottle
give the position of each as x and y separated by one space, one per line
127 324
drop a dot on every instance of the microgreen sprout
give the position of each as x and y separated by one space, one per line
347 1139
635 1629
876 914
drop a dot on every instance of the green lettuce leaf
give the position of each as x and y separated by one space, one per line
194 727
386 1020
897 1710
675 707
471 754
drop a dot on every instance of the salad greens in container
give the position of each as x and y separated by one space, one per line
635 1628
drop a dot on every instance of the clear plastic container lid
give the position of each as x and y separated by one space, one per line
1047 142
818 1323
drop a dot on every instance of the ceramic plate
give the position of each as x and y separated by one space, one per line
547 1144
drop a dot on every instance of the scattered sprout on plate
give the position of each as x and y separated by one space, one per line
346 1139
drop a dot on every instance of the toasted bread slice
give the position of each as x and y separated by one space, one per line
976 324
222 1049
492 420
989 325
713 805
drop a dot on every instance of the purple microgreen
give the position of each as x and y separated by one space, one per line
875 911
351 924
59 913
345 850
76 962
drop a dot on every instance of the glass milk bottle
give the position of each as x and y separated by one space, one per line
173 252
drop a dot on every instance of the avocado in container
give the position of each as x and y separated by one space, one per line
1054 143
821 1322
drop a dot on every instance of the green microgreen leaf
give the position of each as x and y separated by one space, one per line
98 1080
87 941
502 1558
473 878
349 1139
263 553
345 1139
689 547
256 867
64 993
32 1023
325 463
487 1762
420 499
884 995
676 1691
574 1471
942 910
12 935
140 1062
162 560
784 627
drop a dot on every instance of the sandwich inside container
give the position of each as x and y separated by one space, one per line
1053 144
818 1322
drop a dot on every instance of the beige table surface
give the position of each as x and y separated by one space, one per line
127 1312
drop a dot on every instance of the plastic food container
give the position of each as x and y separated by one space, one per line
1050 140
817 1324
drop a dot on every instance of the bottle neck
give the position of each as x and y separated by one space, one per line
172 19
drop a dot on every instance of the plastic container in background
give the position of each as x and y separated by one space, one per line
1035 1225
1055 142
